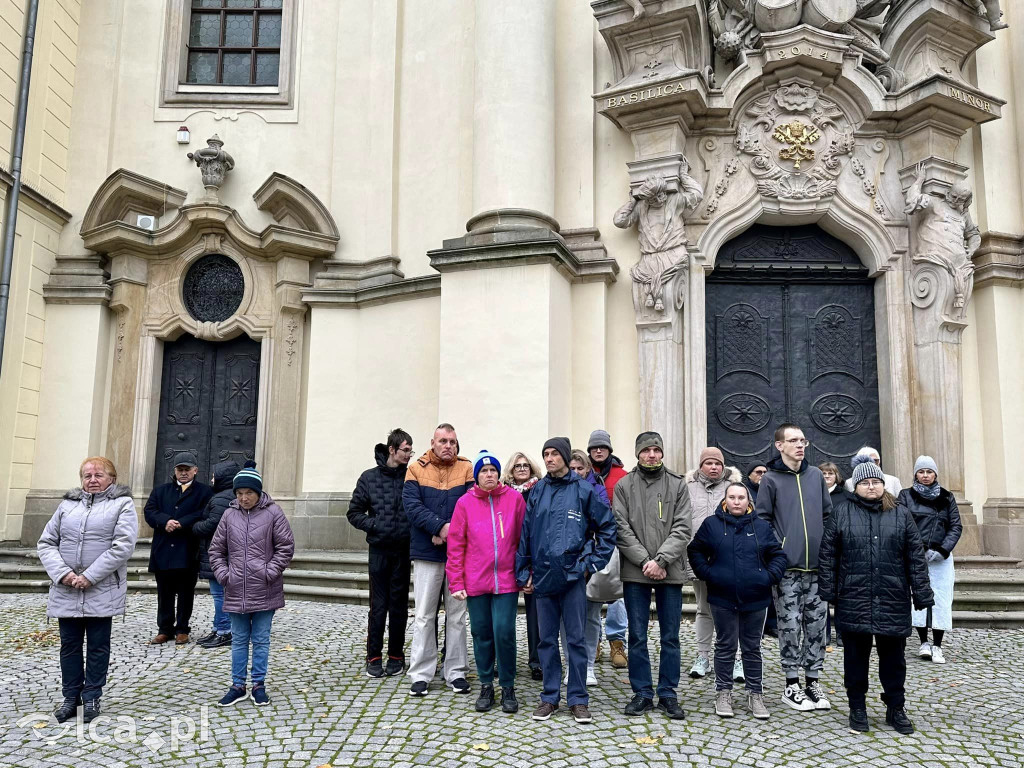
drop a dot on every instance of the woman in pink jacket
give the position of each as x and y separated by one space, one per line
482 541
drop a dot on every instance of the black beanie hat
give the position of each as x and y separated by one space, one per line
560 444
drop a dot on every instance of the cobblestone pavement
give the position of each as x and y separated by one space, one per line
326 711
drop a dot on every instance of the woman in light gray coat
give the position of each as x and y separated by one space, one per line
85 549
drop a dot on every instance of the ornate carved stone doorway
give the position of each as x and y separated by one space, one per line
790 336
208 403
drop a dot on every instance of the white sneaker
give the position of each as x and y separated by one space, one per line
794 697
737 671
816 695
937 655
700 667
925 651
591 677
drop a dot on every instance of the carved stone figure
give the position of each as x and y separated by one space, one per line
732 26
946 235
214 163
991 9
657 207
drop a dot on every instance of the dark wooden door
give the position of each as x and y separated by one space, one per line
208 403
790 337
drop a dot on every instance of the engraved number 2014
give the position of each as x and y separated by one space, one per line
795 51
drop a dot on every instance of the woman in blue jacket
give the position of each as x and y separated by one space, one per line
738 557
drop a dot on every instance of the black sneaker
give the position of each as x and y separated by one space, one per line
91 711
859 721
374 668
207 638
816 694
671 708
66 710
218 641
485 700
419 688
259 695
638 705
459 685
395 666
235 694
536 673
509 703
894 716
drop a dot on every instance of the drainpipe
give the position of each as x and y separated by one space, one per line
18 146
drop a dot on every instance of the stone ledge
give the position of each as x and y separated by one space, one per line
999 260
355 284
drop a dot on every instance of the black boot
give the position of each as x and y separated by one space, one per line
897 718
92 710
509 703
486 698
859 721
67 710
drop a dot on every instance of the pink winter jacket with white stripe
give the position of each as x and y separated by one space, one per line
482 541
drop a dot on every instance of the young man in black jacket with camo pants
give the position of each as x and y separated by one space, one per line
376 508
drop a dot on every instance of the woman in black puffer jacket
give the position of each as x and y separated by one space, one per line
937 516
871 564
223 475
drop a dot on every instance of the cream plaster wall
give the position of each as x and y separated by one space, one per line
370 370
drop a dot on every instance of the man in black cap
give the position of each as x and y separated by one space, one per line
568 536
171 510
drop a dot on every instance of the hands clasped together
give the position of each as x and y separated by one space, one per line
75 580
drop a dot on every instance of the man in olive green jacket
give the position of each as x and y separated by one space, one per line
652 514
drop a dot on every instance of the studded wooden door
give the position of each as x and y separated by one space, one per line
208 403
790 337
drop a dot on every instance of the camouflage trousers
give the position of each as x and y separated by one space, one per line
801 623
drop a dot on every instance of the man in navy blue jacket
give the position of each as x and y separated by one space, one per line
433 483
171 510
568 536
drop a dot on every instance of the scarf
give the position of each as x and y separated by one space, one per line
928 491
524 487
652 470
707 480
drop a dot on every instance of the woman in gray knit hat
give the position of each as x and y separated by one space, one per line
937 516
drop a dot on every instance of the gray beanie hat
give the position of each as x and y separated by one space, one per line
866 470
925 462
599 439
560 444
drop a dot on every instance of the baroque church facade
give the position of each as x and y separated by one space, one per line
286 226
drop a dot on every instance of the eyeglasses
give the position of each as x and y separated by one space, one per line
521 466
798 441
871 482
758 472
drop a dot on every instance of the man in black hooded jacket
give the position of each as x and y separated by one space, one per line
376 508
223 494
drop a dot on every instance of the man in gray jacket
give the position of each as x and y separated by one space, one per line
652 513
794 499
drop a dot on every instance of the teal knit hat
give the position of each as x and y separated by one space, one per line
248 478
485 459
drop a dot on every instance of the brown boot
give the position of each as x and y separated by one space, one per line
618 654
181 638
600 651
160 639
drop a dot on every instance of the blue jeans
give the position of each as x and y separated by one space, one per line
668 600
246 627
221 621
615 621
568 607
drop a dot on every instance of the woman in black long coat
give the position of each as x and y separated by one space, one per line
871 566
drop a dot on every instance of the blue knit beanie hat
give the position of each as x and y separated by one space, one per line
485 459
248 478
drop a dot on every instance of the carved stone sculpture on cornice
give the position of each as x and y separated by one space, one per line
658 207
989 9
945 237
214 163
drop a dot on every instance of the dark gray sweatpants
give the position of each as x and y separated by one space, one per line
733 627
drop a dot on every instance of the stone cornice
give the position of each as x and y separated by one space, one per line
125 190
999 260
193 221
35 196
583 261
353 285
77 280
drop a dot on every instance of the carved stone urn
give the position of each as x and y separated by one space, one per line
214 163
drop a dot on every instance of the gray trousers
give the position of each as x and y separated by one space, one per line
427 580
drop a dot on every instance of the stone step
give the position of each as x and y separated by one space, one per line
969 562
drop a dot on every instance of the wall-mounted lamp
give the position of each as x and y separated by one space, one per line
183 135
